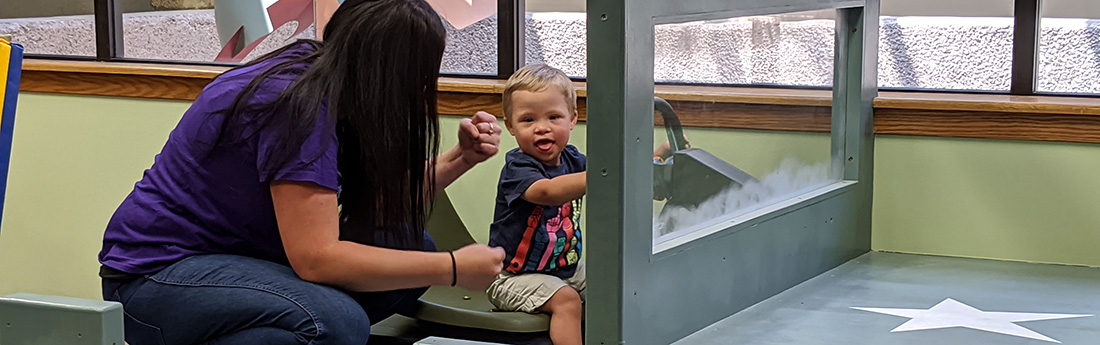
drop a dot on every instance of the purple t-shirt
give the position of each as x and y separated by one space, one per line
198 200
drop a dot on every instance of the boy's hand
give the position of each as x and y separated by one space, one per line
477 266
478 137
661 152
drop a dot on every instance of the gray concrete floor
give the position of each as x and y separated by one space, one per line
400 330
819 311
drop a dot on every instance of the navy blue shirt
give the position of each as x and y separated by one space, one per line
537 238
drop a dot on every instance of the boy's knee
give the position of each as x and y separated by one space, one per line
565 299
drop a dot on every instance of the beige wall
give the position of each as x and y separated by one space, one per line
1012 200
75 158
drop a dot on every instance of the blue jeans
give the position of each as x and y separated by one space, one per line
229 299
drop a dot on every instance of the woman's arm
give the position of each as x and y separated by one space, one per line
478 139
449 166
308 224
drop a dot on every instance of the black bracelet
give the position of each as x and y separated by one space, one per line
454 269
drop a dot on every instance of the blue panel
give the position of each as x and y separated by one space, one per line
7 120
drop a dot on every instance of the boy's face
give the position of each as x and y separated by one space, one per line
541 122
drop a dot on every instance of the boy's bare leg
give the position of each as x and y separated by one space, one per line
565 311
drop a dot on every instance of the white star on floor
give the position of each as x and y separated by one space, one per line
952 313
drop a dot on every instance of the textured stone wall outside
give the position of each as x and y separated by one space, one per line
914 52
189 35
182 4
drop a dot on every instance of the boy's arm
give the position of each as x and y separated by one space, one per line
662 152
558 190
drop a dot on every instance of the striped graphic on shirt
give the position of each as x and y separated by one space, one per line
525 244
550 245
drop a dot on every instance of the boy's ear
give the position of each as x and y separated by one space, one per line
508 126
575 118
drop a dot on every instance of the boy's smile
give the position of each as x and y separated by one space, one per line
541 122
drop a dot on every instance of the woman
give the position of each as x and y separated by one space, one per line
287 206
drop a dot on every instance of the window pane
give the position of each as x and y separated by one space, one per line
471 36
730 175
557 35
787 49
197 31
1069 47
772 50
966 45
53 27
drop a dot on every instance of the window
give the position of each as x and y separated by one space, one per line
728 174
471 36
794 49
1069 47
197 31
51 27
233 31
949 45
556 35
930 45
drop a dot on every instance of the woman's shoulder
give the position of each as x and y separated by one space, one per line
243 75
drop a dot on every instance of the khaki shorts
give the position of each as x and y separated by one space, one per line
527 292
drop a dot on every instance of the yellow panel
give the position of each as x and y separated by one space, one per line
5 57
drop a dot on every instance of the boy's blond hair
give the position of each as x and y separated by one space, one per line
536 78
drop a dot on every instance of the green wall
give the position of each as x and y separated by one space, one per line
76 157
756 152
1013 200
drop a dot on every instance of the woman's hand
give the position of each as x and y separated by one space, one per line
477 266
478 138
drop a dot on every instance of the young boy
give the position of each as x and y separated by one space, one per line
538 204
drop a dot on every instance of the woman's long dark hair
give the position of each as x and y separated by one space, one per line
375 75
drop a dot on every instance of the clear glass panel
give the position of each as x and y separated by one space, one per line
194 30
952 45
770 153
1069 47
557 35
471 36
52 27
241 30
788 49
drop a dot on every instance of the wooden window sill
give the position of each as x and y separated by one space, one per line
1043 118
